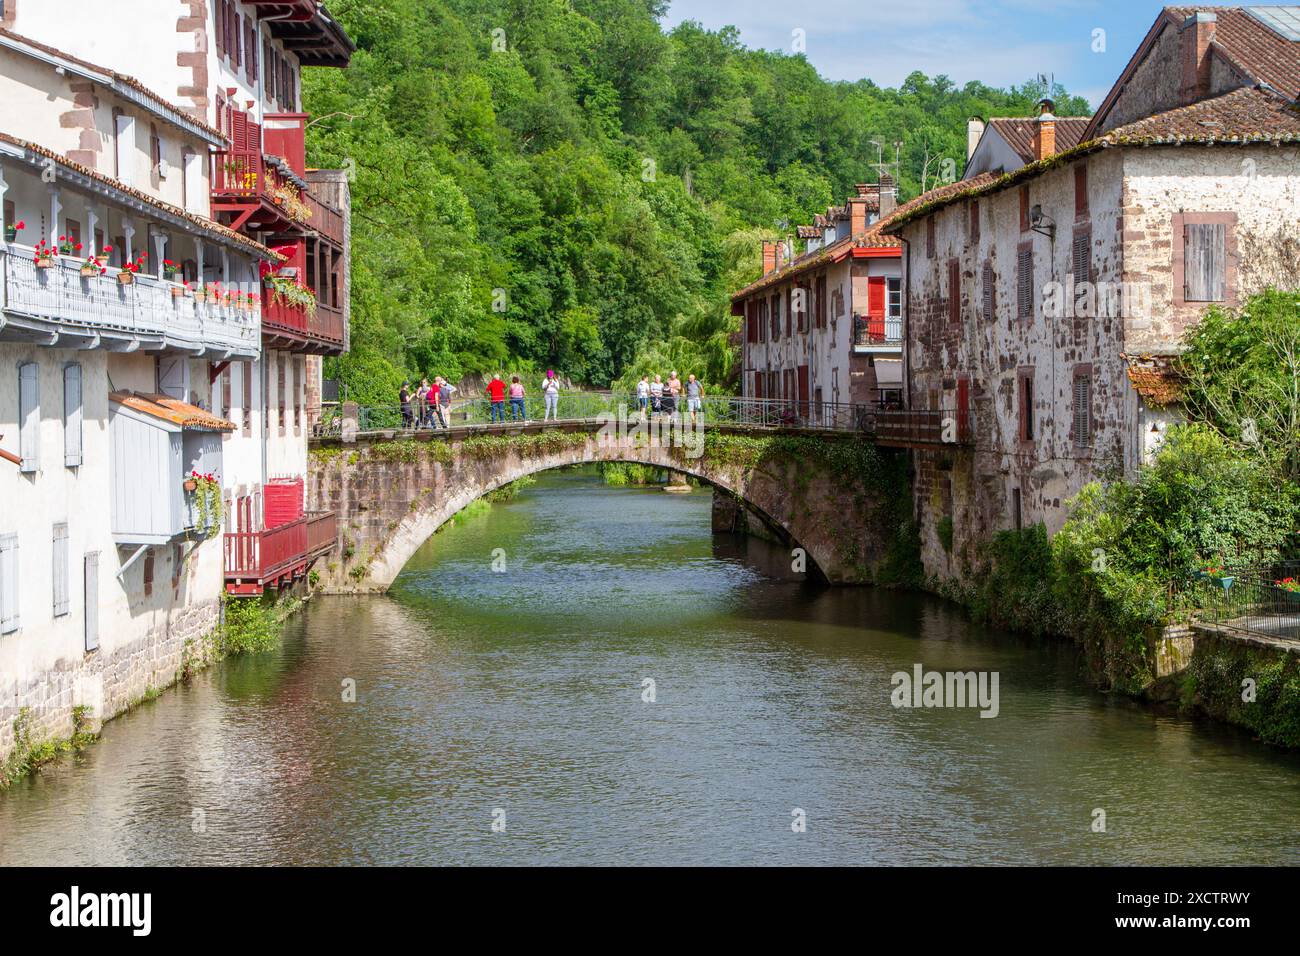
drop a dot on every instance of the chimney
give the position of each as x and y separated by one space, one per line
779 253
888 195
857 215
769 257
1195 35
1045 133
974 130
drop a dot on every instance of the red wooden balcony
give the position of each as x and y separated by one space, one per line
250 193
291 327
276 557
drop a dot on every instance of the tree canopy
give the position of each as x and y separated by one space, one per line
565 184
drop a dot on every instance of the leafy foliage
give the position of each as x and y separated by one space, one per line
542 183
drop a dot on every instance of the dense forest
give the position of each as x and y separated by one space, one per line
565 184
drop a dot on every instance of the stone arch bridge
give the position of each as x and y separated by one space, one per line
838 495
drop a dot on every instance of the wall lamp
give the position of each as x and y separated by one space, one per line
1041 223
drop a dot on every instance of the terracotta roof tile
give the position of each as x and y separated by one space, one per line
871 238
1019 132
172 410
1158 384
1264 55
1246 115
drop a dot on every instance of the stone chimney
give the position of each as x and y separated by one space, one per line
769 257
1195 35
974 130
1045 133
780 259
888 195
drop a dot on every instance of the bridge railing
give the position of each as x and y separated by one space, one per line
880 418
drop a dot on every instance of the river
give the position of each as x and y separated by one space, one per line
516 697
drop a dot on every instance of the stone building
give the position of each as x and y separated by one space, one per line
1043 303
825 325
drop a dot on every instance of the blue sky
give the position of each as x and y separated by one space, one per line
1000 42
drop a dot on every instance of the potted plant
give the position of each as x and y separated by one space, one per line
207 501
130 269
45 255
93 266
1217 575
170 270
11 232
178 291
1290 589
68 246
211 293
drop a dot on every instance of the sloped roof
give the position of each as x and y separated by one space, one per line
1157 383
172 410
1253 49
1018 131
1246 115
871 238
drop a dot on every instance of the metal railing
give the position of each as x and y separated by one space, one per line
873 331
887 424
1254 601
147 308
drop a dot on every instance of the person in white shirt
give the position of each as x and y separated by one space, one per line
551 393
643 395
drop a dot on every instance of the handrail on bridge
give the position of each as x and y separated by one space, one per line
882 419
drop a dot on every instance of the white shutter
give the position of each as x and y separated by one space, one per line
125 149
61 602
90 594
8 583
72 416
29 416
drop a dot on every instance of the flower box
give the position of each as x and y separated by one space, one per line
11 234
178 292
88 271
45 262
125 278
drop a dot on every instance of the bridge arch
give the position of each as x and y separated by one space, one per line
393 491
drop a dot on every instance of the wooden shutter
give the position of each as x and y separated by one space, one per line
1203 262
1082 255
29 417
250 50
975 221
90 595
72 416
1025 283
60 570
929 237
987 282
1083 410
280 389
1080 189
8 583
954 291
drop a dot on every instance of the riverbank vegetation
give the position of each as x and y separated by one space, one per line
29 755
574 186
1221 494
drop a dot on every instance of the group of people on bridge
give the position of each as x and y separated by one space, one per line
662 399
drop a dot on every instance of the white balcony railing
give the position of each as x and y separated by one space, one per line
147 310
883 333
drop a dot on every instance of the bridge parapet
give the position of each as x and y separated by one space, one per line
834 494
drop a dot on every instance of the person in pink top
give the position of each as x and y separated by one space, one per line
516 399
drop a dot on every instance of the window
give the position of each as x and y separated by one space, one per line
124 142
148 572
226 397
281 391
975 221
10 213
1204 262
250 50
895 297
8 583
297 394
789 315
246 380
804 293
72 416
1081 190
775 310
1027 405
1017 519
1024 208
986 288
929 236
72 228
1083 406
821 302
60 569
1082 255
29 417
954 291
1025 282
156 155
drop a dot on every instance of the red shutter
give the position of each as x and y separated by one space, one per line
876 308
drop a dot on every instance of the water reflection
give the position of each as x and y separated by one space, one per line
521 691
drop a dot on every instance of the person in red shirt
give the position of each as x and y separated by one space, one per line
497 393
